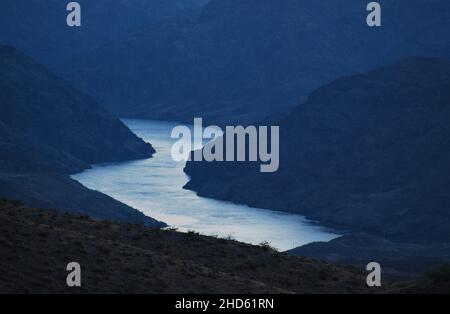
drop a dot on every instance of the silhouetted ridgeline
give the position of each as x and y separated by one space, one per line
118 258
367 153
49 130
126 258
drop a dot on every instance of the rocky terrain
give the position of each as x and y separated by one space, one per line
36 245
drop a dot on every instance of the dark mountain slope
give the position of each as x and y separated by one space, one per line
369 153
56 191
49 130
244 60
398 260
36 246
48 112
38 27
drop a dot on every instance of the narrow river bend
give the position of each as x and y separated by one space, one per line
155 187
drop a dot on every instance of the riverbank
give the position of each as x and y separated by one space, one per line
367 153
48 130
155 186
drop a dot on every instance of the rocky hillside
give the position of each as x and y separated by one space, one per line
37 245
49 130
367 153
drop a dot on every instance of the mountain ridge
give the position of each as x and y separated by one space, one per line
49 130
247 61
344 158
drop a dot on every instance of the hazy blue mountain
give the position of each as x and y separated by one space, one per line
38 27
244 60
369 152
49 130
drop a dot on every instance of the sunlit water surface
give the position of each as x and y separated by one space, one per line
155 186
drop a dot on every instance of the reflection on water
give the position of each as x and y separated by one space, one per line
154 186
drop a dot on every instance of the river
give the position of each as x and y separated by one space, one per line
155 187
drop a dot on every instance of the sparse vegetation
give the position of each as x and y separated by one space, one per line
127 258
193 233
266 245
438 280
16 203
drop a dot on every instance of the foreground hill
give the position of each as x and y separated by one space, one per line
37 245
49 130
367 153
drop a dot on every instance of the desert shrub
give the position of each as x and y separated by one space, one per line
229 238
252 265
84 217
136 237
193 233
323 273
266 245
440 275
16 203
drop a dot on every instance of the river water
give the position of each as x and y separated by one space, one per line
155 187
